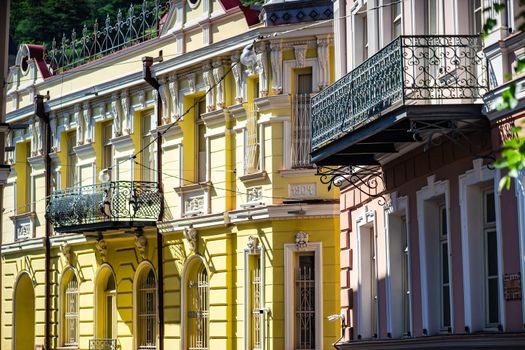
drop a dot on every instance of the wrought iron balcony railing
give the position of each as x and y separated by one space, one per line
137 24
112 204
102 344
427 69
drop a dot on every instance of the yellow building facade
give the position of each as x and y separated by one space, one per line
161 194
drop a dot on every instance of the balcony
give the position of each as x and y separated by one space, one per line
412 87
112 205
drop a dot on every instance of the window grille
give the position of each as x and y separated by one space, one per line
198 294
71 313
301 131
147 312
305 303
252 141
256 305
491 261
444 276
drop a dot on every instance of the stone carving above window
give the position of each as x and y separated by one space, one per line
301 239
254 194
194 205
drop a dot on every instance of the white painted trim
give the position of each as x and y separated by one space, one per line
183 313
433 189
520 195
290 250
478 175
138 272
288 65
366 218
398 204
247 312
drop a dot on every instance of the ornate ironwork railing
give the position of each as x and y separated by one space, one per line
120 201
411 69
301 131
102 344
138 24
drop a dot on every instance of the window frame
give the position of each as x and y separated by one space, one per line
141 273
68 275
251 255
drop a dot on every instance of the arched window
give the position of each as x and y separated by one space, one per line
70 309
24 313
147 310
106 308
197 302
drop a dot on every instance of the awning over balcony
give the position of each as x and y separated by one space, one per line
112 205
413 87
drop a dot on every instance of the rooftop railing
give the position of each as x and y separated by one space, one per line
138 24
427 69
129 203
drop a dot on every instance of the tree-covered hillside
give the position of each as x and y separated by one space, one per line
38 21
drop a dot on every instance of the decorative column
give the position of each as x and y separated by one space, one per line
117 129
126 112
174 92
324 61
218 72
86 110
276 58
165 99
79 118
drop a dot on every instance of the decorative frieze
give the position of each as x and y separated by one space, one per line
194 205
23 231
301 239
302 190
254 194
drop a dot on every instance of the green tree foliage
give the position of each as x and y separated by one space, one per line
39 21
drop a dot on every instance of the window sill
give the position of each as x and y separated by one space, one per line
73 347
27 215
259 176
193 187
297 172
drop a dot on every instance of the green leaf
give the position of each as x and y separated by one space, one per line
520 65
498 7
490 23
504 182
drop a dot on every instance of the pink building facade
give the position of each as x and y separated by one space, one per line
432 253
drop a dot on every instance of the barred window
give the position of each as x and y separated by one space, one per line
70 308
252 142
256 321
147 311
305 302
198 303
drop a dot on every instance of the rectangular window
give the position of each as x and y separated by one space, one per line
148 154
304 302
29 181
71 313
201 140
107 147
72 171
301 122
444 275
256 320
477 9
396 19
491 261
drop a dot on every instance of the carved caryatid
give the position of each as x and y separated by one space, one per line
142 244
34 136
262 68
102 249
191 236
79 118
54 134
66 253
164 93
126 111
207 75
300 55
276 58
218 72
174 92
324 62
86 110
237 76
116 114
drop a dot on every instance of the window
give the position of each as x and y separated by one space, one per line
396 19
72 171
432 11
198 303
29 181
304 302
491 260
147 310
107 147
301 123
302 299
251 141
110 309
70 313
365 38
201 143
477 9
148 157
443 272
256 319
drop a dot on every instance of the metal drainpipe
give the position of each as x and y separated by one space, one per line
148 77
43 116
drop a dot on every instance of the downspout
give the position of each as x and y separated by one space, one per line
44 118
148 77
